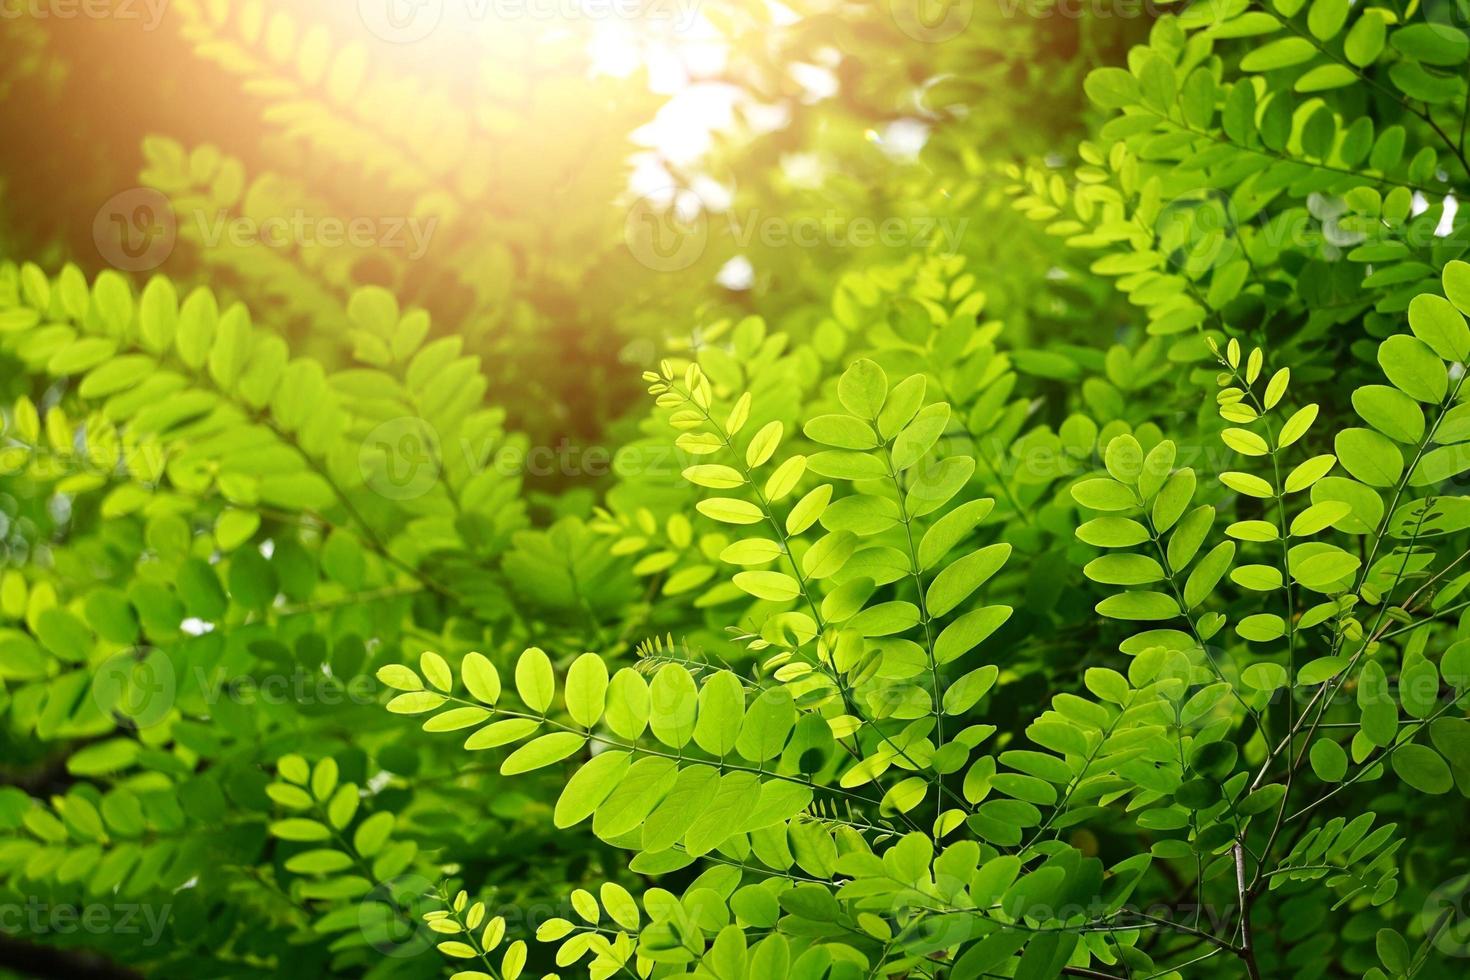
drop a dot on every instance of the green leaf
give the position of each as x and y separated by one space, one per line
415 702
456 718
1456 279
1326 18
1112 532
763 445
721 708
672 701
1139 606
1124 570
1391 412
906 398
1112 88
826 557
767 725
1173 499
773 586
1248 484
1261 627
1124 459
1423 769
1319 517
842 431
64 634
1190 533
535 681
863 388
752 551
1245 442
962 635
300 829
714 476
962 695
1419 687
1309 472
589 787
1369 457
1207 573
627 703
1379 712
1283 53
919 436
1328 760
1366 38
1436 322
291 797
1433 44
542 751
324 778
436 671
1297 426
1413 368
481 678
1104 494
955 584
936 484
320 861
808 509
1325 570
586 688
372 833
729 510
951 529
501 733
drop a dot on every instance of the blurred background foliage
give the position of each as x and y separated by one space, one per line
523 150
539 209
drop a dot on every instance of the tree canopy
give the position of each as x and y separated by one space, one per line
727 489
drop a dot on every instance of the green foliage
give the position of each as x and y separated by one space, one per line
1085 596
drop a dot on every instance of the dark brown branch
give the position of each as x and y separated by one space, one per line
37 960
